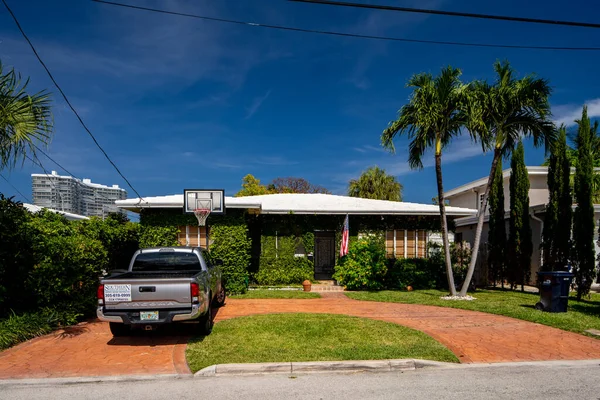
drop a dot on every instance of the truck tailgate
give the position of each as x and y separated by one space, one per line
147 293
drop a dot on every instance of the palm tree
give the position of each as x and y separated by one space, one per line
374 183
431 119
499 116
24 119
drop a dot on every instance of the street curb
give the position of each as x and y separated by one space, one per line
315 367
90 379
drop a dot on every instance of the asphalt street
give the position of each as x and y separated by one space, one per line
550 380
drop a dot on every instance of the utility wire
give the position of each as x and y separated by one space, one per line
66 99
18 191
451 13
344 34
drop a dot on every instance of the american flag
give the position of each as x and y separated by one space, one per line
345 234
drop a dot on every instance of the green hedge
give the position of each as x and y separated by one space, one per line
157 236
365 265
231 244
284 271
420 273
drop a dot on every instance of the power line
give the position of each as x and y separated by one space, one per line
451 13
66 99
18 191
343 34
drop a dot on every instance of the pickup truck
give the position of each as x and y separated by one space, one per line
163 285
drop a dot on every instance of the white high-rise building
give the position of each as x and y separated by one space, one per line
72 195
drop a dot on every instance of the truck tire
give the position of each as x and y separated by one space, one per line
118 329
220 297
205 324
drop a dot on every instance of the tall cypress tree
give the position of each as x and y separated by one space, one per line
519 240
497 229
556 243
583 219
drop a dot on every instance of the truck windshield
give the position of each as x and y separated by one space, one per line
166 261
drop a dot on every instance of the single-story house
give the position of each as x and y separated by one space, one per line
316 218
470 195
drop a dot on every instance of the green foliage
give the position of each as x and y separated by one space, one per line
497 244
364 267
118 236
460 255
556 236
19 328
67 267
156 236
252 187
420 273
583 218
374 183
519 239
15 259
284 271
24 119
232 245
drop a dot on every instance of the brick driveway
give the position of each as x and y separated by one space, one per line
90 350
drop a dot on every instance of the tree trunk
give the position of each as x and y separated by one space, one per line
481 215
441 201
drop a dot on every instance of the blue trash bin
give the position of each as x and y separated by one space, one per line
554 290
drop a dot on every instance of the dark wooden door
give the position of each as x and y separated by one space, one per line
324 254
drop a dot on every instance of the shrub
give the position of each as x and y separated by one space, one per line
231 244
460 254
420 273
364 267
68 265
16 259
119 237
156 236
284 271
18 328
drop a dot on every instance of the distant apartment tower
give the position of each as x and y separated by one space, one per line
76 196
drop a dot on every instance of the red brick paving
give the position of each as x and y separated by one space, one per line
90 350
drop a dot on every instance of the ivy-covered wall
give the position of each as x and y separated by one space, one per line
273 249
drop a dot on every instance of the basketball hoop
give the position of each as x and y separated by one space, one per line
201 214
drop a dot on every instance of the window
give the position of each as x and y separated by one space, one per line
166 261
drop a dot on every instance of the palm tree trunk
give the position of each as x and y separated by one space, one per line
481 215
438 173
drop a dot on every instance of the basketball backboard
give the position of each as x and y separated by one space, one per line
212 199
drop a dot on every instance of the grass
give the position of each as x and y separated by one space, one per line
581 315
276 294
310 337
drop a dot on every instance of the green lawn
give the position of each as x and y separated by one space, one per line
581 315
276 294
310 337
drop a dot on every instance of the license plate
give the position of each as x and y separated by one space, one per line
149 315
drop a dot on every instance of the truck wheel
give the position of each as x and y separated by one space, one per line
118 330
220 297
205 324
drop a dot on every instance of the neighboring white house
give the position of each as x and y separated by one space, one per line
70 216
470 196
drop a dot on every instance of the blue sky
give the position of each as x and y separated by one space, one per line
181 103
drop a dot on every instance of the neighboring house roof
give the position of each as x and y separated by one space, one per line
532 170
483 181
34 209
314 203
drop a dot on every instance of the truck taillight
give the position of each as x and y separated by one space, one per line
194 292
100 294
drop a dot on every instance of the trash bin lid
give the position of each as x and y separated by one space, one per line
563 274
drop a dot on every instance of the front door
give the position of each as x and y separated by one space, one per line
324 254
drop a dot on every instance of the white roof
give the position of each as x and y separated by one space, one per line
314 203
483 181
34 209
